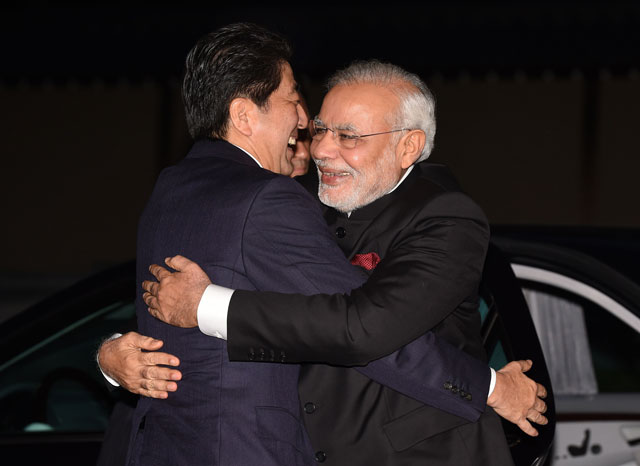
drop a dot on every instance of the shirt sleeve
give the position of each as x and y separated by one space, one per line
212 320
213 309
289 251
109 379
425 278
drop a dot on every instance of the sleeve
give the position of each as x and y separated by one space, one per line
112 382
213 309
419 283
343 329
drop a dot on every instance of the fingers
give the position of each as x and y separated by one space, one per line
159 272
541 391
540 406
525 365
527 428
151 390
156 358
538 418
178 262
150 287
159 377
142 342
150 300
160 395
155 381
153 385
154 312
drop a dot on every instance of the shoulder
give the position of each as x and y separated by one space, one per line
280 199
283 191
439 194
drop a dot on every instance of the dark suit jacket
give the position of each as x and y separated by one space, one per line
254 230
432 240
247 228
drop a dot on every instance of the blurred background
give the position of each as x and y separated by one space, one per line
538 112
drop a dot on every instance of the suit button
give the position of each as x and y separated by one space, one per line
309 407
251 355
341 232
283 357
468 396
455 389
272 355
261 354
447 385
321 456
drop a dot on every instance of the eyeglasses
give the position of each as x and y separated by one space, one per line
344 138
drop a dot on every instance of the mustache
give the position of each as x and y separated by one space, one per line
324 164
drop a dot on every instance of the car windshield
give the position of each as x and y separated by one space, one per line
54 385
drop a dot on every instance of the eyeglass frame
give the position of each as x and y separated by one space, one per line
355 137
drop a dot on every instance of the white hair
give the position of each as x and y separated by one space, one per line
417 108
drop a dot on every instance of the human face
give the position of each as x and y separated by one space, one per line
302 149
302 153
353 178
276 127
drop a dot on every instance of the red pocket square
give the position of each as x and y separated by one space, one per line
367 261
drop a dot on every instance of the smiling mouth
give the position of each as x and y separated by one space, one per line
292 141
325 173
333 178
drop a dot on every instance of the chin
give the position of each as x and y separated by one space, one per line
333 199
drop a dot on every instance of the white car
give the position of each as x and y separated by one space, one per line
583 294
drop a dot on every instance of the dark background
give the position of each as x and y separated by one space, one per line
538 111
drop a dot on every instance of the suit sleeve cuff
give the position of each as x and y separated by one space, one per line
109 379
492 384
213 310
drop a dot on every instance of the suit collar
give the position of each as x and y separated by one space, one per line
365 224
370 211
436 173
221 149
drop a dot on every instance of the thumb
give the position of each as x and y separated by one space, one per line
147 343
525 364
178 262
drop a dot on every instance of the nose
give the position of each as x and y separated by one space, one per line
303 118
324 147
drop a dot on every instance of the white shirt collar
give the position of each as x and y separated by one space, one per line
255 160
402 179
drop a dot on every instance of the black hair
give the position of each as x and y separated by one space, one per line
238 60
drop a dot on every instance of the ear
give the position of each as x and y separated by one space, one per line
239 115
410 147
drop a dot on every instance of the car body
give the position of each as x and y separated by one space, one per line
55 405
583 290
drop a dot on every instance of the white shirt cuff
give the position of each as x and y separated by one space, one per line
109 379
492 384
213 310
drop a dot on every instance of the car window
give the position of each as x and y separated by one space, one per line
587 348
54 386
